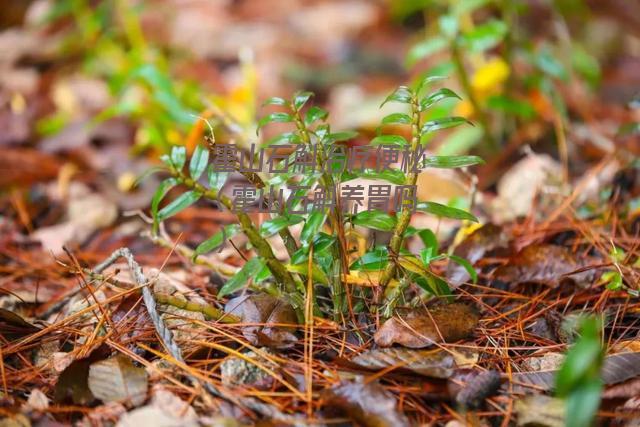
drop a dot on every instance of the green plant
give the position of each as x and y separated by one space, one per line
480 43
578 380
108 39
323 251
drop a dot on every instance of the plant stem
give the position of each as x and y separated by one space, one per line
255 179
405 215
262 247
458 62
336 218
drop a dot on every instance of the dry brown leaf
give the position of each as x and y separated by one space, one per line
540 410
117 380
72 384
546 264
616 369
430 363
152 416
477 387
485 239
422 328
268 316
37 401
368 404
13 326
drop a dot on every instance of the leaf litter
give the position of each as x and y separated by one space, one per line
78 348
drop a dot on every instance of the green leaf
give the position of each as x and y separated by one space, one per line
283 138
323 241
163 92
584 359
485 36
425 49
341 136
395 140
437 96
433 284
445 211
301 98
178 156
275 101
198 162
316 273
613 279
427 81
250 269
444 123
180 203
162 190
313 224
429 239
216 179
313 114
403 94
274 225
583 404
466 265
375 220
451 161
431 246
274 118
374 260
396 118
448 26
216 240
394 176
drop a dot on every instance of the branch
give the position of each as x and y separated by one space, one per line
262 247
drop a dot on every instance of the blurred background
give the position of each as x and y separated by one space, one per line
92 92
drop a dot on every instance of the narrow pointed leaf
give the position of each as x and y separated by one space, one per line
275 101
466 265
316 273
178 156
198 162
427 82
162 190
283 138
217 240
445 211
274 118
313 224
272 226
451 161
444 123
216 179
396 118
341 136
437 96
314 114
375 220
180 203
250 269
395 140
402 94
301 98
424 49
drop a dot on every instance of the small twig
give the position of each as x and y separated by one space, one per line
170 344
221 268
